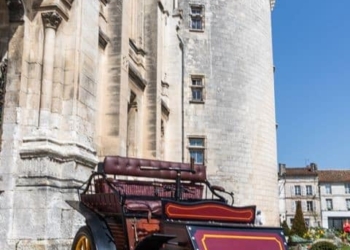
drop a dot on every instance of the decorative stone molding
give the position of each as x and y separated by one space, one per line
165 89
103 39
62 7
137 55
165 109
51 19
48 181
161 7
178 13
16 10
61 151
137 77
137 50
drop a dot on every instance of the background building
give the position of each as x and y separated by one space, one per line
324 195
299 184
166 79
335 197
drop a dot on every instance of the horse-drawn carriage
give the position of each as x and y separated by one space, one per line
139 204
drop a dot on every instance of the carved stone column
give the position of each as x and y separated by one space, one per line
51 22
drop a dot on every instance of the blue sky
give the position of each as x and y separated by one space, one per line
311 40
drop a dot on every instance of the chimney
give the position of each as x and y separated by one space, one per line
313 166
281 169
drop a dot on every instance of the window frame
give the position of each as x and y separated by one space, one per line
309 188
347 188
297 187
329 204
198 148
347 202
328 188
197 17
197 87
309 206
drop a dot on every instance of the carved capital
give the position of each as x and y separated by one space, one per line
51 19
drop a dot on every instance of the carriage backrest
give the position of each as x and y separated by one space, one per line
126 166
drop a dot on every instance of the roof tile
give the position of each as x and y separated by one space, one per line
332 176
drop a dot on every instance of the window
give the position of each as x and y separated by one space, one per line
308 190
337 222
328 189
329 203
196 149
348 204
197 87
310 206
297 190
347 188
196 17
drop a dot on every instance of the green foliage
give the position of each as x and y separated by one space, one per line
298 227
286 229
323 245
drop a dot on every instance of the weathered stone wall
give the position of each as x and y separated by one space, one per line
73 70
47 139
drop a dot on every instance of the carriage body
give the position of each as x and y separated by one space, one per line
139 204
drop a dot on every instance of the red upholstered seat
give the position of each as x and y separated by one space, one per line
152 207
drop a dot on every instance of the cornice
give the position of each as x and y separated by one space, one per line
62 151
61 6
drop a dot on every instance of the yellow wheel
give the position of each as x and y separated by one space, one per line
83 240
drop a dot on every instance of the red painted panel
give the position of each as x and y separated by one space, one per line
216 239
210 211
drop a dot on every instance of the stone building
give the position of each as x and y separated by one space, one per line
334 188
166 79
299 184
324 195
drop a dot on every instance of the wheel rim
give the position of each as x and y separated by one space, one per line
83 243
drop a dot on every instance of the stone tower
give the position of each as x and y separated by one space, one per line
166 79
228 50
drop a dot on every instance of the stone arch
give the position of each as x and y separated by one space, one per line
12 13
4 40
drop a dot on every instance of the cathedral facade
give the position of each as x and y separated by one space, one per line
165 79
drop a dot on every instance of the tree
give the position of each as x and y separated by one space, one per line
286 229
298 227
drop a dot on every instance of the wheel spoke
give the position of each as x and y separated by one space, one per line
83 244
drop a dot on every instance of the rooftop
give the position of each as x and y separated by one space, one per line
306 171
333 176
